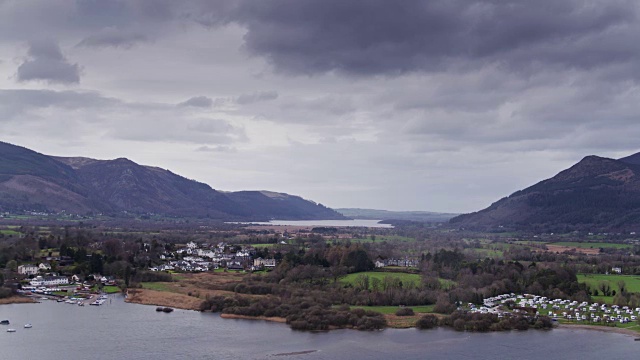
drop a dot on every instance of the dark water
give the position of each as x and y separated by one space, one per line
118 330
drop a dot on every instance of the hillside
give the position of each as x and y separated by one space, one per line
596 193
37 182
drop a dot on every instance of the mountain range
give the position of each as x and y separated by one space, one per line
30 181
597 193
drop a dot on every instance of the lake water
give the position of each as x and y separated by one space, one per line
118 330
333 223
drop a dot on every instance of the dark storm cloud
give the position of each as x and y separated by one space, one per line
47 63
198 101
393 37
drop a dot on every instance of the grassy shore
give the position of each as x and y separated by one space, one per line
265 318
17 300
188 291
163 298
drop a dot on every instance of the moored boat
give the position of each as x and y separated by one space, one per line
4 322
11 330
28 326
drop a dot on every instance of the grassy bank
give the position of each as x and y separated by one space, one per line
17 300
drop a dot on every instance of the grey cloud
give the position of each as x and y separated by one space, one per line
255 97
198 101
113 37
217 149
47 63
393 37
366 37
211 126
15 102
187 130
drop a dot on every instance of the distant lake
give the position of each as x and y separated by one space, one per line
118 330
332 223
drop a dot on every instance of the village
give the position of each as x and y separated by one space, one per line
199 258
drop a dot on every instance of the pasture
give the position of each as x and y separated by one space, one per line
404 277
591 245
632 282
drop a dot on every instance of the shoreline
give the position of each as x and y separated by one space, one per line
172 302
611 329
246 317
17 299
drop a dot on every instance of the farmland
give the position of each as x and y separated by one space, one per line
404 277
631 282
592 245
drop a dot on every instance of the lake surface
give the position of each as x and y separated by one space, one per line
118 330
333 223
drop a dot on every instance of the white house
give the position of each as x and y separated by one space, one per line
268 263
44 267
616 270
49 281
28 269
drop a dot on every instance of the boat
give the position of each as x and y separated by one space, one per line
28 326
80 303
11 330
167 309
4 322
159 308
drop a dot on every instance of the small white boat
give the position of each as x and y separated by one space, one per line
28 326
11 330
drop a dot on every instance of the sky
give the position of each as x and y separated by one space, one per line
442 105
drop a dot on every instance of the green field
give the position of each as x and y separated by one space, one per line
377 239
156 286
632 282
591 245
404 277
392 309
111 289
9 232
262 245
487 253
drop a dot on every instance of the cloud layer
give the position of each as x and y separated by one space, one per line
443 105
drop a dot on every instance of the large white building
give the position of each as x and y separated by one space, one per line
49 281
27 269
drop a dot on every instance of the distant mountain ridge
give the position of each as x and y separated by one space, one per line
373 214
596 193
34 181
